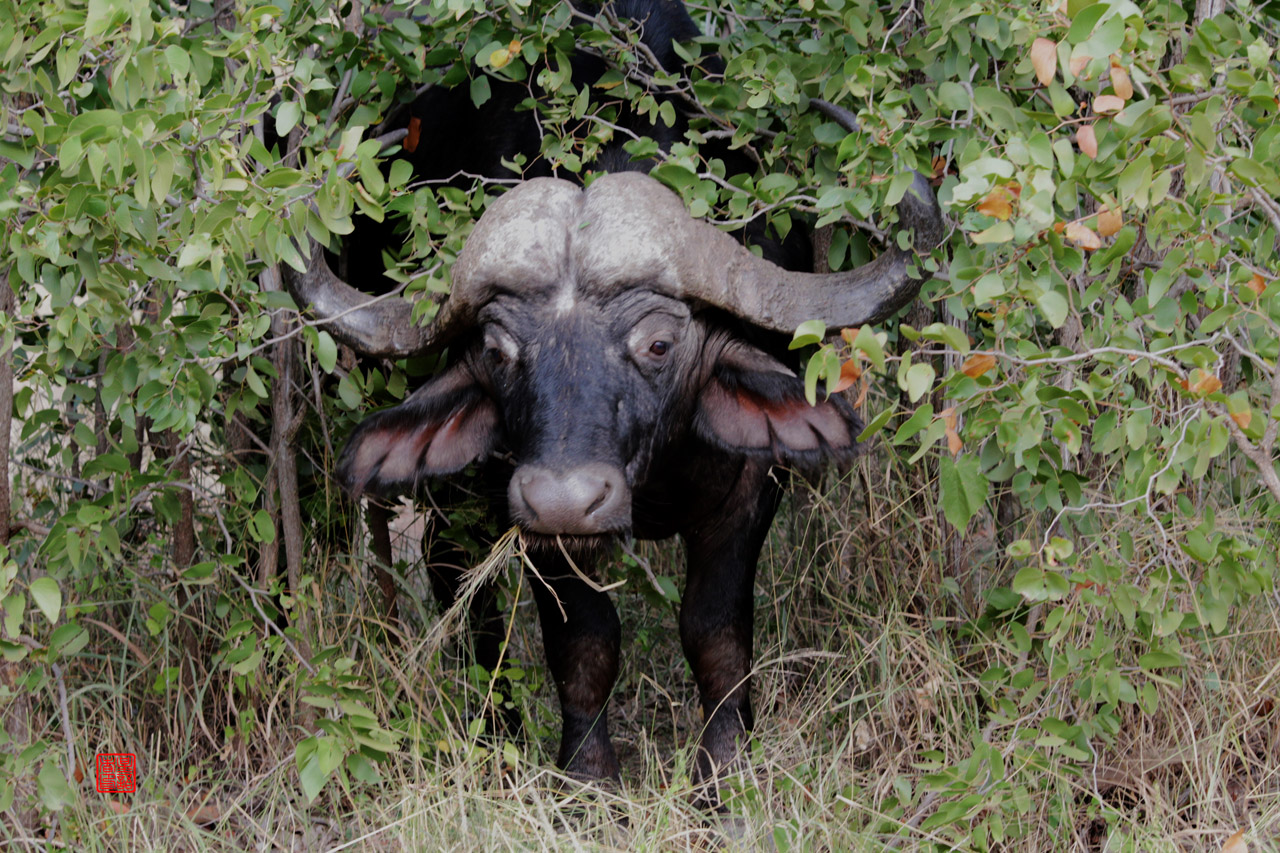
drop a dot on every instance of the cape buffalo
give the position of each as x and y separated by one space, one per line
616 369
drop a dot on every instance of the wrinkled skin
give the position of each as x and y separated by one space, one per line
675 421
601 398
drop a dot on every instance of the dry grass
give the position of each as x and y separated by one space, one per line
875 730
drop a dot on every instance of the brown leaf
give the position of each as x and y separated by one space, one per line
1243 419
1236 843
939 167
1257 284
849 374
1109 222
415 131
996 204
1204 382
1083 236
1077 63
117 806
1044 59
1120 81
204 814
1087 139
954 443
977 364
1107 104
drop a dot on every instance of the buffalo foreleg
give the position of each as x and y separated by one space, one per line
581 636
716 617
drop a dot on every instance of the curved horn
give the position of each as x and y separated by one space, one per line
373 326
721 271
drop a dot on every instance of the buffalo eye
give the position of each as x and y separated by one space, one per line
659 349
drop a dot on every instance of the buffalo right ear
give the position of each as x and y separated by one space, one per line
753 404
439 429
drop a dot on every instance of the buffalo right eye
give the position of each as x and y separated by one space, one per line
659 348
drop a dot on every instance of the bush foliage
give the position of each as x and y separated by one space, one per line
1089 387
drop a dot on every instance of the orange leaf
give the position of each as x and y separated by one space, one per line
954 443
1109 222
977 364
1077 63
849 374
1120 81
1087 139
1236 843
1205 383
204 814
1107 104
1044 59
1243 419
996 204
514 46
1083 236
415 130
939 166
1257 284
117 806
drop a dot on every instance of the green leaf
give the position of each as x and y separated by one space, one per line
287 116
919 379
196 251
1035 584
326 351
1159 660
808 333
261 528
52 787
867 342
962 489
48 597
1053 305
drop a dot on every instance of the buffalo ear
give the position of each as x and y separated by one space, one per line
439 429
754 404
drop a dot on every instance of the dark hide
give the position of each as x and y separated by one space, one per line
624 412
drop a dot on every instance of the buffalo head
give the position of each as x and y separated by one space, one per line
593 331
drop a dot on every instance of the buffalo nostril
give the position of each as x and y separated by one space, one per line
600 501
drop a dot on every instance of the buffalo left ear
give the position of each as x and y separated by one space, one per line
439 429
752 403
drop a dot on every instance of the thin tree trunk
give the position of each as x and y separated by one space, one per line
284 461
378 518
6 412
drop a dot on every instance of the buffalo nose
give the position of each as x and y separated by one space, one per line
582 501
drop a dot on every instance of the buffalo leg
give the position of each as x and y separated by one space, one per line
581 636
446 565
716 618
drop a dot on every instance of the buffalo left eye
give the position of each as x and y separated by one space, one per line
659 348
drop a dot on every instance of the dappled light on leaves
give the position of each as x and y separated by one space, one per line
977 364
1109 222
1087 139
1044 59
996 204
1120 81
1107 104
1083 236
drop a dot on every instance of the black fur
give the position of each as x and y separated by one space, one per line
690 434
